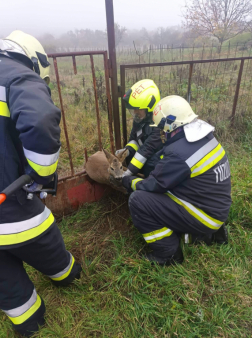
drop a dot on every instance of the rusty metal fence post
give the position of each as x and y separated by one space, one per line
237 91
63 115
96 102
110 115
113 70
124 121
189 83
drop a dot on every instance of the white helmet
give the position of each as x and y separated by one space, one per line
22 43
172 112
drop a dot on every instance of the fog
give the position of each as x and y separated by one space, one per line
57 17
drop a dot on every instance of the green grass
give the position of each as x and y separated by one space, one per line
239 39
120 295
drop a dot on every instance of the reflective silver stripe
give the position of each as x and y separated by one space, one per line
160 234
139 132
17 227
61 273
208 161
140 157
44 160
140 142
2 94
187 239
23 308
197 212
203 151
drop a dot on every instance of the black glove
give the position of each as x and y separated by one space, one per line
126 182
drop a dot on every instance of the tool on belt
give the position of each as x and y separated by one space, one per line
50 188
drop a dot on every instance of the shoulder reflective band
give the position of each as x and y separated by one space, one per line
139 133
133 144
64 273
19 232
138 160
199 214
134 182
20 314
4 110
205 158
157 235
44 165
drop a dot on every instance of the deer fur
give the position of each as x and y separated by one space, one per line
106 168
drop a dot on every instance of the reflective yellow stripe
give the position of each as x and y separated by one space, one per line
21 319
43 170
207 161
137 163
28 234
4 110
133 145
157 235
65 274
134 182
162 156
199 214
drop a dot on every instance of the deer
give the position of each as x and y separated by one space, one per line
106 168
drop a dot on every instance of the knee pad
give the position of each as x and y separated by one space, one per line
31 325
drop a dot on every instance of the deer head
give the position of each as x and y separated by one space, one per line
115 168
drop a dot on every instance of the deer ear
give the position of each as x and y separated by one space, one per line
123 155
109 156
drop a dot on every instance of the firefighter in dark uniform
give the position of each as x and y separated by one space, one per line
189 189
144 140
29 143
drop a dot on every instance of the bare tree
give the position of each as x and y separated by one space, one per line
222 19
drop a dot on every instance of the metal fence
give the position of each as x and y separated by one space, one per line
213 86
91 54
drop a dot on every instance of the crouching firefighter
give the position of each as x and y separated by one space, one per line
189 189
29 143
144 140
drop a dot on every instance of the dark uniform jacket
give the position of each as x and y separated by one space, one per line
195 175
143 143
29 142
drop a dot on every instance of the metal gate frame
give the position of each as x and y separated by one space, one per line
77 189
191 64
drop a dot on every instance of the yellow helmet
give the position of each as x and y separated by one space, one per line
33 50
172 112
142 95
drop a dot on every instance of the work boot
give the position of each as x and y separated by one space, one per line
220 236
30 326
177 258
199 239
75 274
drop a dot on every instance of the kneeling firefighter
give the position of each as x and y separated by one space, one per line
189 189
29 143
144 140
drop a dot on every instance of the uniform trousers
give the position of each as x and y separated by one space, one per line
162 221
18 297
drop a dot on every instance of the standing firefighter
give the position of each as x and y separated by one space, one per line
144 141
189 189
29 143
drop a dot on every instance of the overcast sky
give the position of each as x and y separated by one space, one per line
60 16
